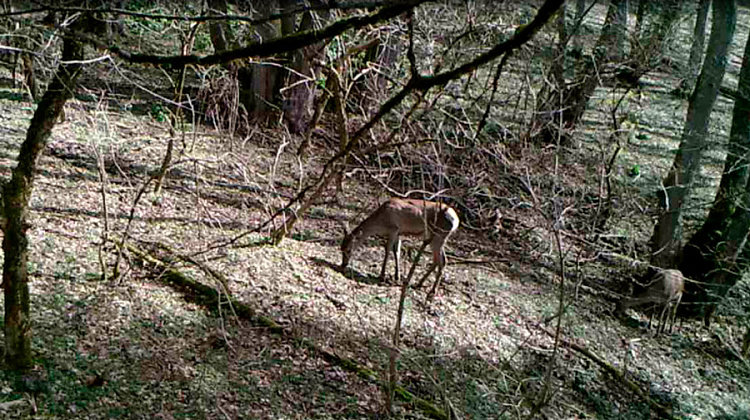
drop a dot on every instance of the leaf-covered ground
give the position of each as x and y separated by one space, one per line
134 347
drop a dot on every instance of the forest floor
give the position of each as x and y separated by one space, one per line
135 347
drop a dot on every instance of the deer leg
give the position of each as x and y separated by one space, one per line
389 245
421 250
397 255
651 317
427 274
661 318
439 275
15 63
674 312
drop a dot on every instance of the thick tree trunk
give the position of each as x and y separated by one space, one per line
217 29
384 56
640 17
549 96
577 40
696 50
16 195
298 96
666 240
259 82
551 113
719 244
646 54
615 31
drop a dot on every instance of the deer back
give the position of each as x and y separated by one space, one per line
674 283
408 217
413 217
665 287
403 216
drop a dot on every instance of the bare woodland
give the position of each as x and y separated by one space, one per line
196 195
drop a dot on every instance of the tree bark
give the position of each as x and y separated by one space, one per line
219 30
647 53
552 114
666 239
259 82
298 96
16 195
615 31
718 245
577 40
699 40
669 13
640 17
29 80
549 95
696 50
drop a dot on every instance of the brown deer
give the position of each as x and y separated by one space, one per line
666 289
399 216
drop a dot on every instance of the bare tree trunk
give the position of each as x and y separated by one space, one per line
219 30
259 81
16 195
640 17
577 41
29 80
552 115
699 40
652 43
615 31
298 96
720 245
371 89
115 28
338 97
549 96
666 240
696 50
558 65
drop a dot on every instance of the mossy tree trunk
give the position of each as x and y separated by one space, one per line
16 195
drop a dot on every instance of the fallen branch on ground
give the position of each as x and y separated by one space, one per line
616 373
209 297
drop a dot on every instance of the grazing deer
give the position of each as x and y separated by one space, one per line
666 289
396 217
